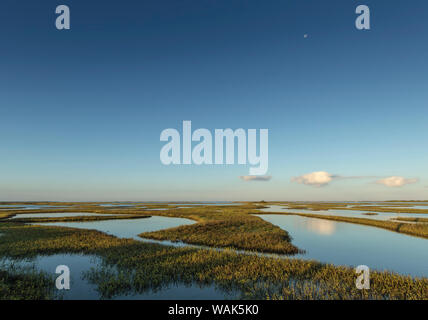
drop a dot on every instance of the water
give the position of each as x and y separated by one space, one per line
168 203
387 205
126 228
349 213
57 215
350 244
181 207
117 205
419 207
205 204
79 264
395 205
14 206
29 207
326 241
81 289
383 205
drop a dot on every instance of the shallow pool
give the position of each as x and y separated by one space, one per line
126 228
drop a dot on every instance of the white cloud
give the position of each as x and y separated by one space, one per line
323 178
317 179
255 178
396 181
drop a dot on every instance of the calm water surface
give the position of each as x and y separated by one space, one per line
118 205
327 241
29 207
205 204
81 288
348 213
350 244
79 264
126 228
57 215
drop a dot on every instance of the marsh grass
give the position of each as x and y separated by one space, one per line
217 226
143 266
18 282
147 266
389 209
5 215
226 227
423 220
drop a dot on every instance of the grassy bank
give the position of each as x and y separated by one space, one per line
423 220
382 207
392 209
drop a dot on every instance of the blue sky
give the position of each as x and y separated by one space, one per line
81 110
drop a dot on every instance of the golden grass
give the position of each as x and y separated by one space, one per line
246 233
16 284
423 220
392 209
145 266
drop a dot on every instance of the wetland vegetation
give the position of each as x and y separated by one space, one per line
140 266
19 283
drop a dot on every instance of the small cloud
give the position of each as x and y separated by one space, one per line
255 178
317 179
395 181
323 178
